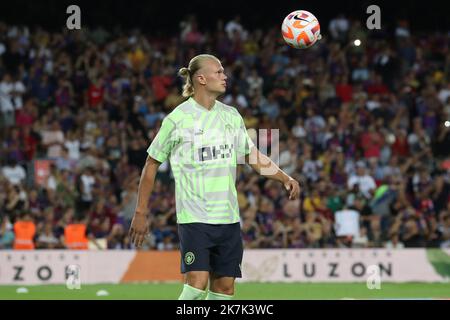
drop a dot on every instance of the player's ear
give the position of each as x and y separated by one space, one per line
201 79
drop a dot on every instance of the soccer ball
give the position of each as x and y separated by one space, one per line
300 29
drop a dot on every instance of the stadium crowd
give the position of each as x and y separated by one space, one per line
363 127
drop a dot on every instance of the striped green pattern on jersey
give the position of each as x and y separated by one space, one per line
203 148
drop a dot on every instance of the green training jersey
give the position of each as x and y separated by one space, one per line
203 147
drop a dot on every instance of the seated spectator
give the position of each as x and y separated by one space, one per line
250 233
15 203
162 233
394 242
7 118
361 241
411 232
53 140
118 238
46 238
444 228
14 172
86 185
6 234
270 107
365 182
312 228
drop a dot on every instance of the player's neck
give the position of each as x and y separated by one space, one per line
205 100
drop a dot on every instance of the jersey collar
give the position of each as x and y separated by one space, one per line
200 107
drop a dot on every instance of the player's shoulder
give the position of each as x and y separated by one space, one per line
228 110
180 112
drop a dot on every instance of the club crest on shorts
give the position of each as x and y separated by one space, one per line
189 258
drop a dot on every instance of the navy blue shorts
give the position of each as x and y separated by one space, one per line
216 248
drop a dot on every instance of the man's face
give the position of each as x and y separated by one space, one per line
212 76
360 171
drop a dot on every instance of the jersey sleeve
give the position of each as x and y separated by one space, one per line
244 142
164 141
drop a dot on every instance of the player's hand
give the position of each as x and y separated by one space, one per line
293 187
139 229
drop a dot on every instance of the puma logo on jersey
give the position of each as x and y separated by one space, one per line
199 132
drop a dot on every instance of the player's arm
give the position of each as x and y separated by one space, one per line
267 168
158 152
139 225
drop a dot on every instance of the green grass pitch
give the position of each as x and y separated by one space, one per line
244 291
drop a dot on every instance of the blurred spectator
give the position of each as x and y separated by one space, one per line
347 225
101 218
95 92
17 92
250 233
6 101
64 162
394 242
6 234
288 157
361 240
312 228
444 228
118 238
14 172
190 33
162 233
234 27
24 233
270 106
76 233
339 27
15 202
86 184
129 200
235 98
30 140
46 238
53 140
72 143
255 83
366 184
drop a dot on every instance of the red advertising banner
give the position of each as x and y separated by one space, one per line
41 171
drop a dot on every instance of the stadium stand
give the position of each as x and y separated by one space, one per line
363 126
